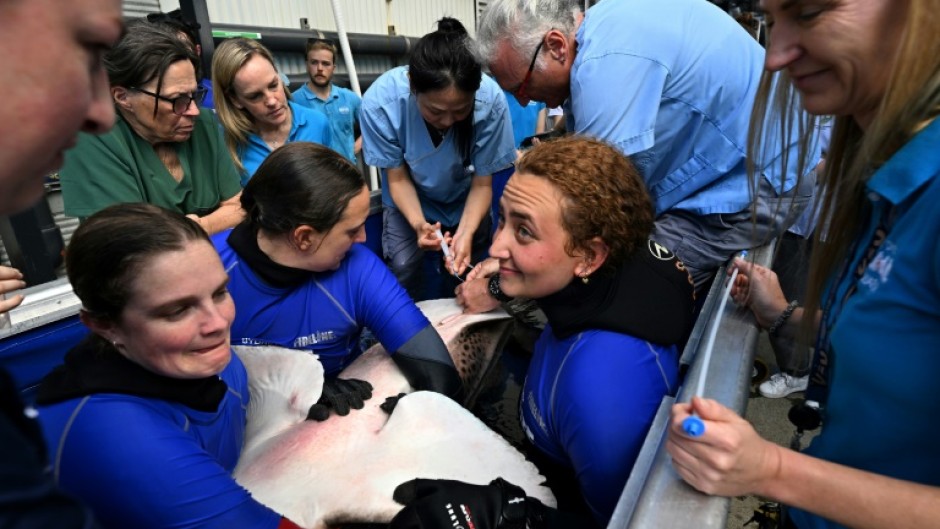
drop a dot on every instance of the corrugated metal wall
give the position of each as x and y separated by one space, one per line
409 17
139 8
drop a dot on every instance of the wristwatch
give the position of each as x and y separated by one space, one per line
495 291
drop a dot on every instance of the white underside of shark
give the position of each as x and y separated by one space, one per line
345 469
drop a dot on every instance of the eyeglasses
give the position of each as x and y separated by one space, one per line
520 92
181 102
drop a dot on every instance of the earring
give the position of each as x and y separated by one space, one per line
585 279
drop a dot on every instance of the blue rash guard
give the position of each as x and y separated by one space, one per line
588 402
145 461
324 314
600 370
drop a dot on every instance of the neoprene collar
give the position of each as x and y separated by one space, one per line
94 366
244 241
649 296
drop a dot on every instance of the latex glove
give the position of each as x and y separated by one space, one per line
758 288
433 504
340 395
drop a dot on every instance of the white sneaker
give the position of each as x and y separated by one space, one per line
782 384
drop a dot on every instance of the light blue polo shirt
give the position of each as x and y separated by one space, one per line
882 409
672 83
342 111
306 125
394 133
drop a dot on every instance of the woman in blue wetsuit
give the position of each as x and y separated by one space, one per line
573 235
439 129
254 107
300 281
145 419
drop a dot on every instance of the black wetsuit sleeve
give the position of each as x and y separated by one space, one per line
426 363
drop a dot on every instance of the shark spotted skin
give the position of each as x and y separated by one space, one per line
344 470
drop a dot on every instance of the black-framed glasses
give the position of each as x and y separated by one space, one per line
181 102
520 92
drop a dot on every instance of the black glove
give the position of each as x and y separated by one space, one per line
433 504
340 394
391 403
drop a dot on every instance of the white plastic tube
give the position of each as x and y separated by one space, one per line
351 70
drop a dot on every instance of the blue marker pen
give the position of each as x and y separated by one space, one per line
693 425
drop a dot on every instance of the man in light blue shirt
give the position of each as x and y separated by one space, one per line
671 83
340 105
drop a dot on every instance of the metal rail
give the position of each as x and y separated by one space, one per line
655 496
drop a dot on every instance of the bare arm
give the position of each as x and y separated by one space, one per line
474 293
476 207
758 288
227 215
540 121
730 459
406 200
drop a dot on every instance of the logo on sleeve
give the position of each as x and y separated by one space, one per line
659 251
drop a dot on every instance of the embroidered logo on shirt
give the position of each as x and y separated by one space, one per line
880 267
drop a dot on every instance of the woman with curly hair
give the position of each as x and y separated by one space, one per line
573 235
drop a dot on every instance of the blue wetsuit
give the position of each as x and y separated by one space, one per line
146 451
882 406
588 402
601 368
321 312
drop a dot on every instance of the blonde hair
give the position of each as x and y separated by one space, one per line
237 123
910 101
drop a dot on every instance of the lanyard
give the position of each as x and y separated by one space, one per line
808 415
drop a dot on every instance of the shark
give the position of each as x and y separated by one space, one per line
344 470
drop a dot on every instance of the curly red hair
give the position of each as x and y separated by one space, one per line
604 195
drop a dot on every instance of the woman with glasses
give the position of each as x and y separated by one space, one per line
254 107
163 149
439 129
573 235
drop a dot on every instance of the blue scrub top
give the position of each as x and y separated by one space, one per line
395 134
